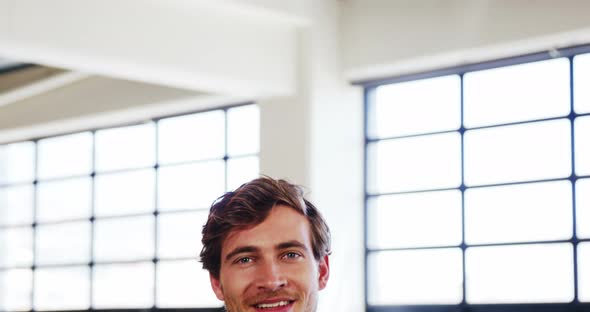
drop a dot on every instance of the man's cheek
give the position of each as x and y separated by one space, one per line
236 283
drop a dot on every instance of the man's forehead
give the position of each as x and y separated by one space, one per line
283 224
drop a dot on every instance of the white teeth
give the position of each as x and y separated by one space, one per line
272 305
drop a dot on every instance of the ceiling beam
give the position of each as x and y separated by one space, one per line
203 47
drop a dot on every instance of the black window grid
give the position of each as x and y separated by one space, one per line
463 306
155 260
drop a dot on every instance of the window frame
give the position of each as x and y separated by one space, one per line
369 88
92 219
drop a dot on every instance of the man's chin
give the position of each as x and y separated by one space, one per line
288 306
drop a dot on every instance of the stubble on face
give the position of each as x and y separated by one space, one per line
311 301
284 232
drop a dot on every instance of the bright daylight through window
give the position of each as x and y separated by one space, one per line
111 219
478 185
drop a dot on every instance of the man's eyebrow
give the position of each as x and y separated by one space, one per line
291 244
239 250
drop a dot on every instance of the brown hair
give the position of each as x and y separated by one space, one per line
248 206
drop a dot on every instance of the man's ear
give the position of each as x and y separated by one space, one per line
324 267
216 285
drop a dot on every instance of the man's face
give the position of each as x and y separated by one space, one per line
271 267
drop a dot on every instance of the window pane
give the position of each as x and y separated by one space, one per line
190 186
428 276
583 208
16 247
127 147
414 220
241 170
522 152
520 274
243 130
130 238
125 193
64 200
15 290
584 272
184 284
66 243
517 93
179 234
123 286
582 144
16 205
65 288
65 156
417 163
524 212
193 137
581 82
414 107
17 162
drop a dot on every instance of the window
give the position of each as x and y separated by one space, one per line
477 183
111 219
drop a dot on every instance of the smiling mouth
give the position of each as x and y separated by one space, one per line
275 306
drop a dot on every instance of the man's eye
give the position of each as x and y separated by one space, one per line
292 255
244 260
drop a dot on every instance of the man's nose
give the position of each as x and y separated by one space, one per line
270 276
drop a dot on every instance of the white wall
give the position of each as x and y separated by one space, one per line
384 37
315 139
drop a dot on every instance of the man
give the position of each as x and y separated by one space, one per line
266 248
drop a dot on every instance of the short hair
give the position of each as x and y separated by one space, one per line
248 206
